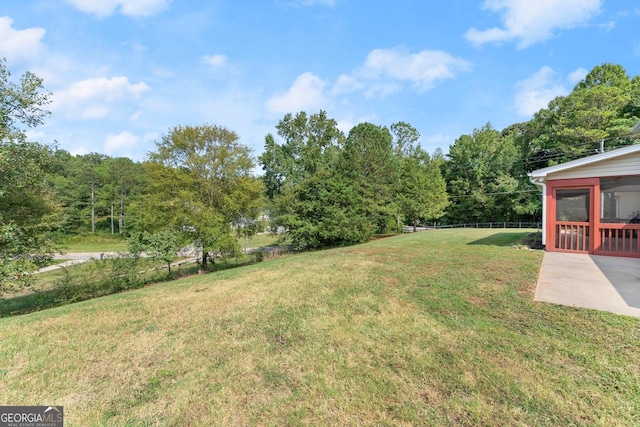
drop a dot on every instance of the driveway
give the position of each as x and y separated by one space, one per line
591 281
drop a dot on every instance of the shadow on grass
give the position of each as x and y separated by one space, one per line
531 240
64 295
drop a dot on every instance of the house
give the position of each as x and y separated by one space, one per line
592 205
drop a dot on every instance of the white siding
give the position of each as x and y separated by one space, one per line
626 165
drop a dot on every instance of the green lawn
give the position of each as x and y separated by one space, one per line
101 242
259 240
433 328
98 242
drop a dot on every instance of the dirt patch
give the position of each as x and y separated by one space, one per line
533 240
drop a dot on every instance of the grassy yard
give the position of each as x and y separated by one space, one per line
434 328
116 243
98 242
259 240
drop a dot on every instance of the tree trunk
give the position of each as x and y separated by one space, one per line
121 219
204 259
415 225
112 229
93 210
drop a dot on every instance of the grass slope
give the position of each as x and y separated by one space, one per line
435 328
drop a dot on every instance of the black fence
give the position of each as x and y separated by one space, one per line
436 226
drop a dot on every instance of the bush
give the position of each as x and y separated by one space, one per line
97 278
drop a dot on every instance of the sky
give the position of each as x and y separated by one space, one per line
122 73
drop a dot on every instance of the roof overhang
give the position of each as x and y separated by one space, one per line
539 176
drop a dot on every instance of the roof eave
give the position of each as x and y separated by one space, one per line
542 173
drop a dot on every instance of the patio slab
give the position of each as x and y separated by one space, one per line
590 281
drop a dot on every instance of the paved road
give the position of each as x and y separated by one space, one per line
74 258
80 257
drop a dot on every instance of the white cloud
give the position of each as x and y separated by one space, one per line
345 124
537 91
214 60
577 76
16 45
79 151
385 71
103 8
94 112
124 142
529 22
306 93
90 98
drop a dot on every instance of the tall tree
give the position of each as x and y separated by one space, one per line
21 103
405 138
601 109
480 179
307 141
122 178
421 189
369 163
27 208
203 175
292 170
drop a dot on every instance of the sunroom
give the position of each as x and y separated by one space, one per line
592 205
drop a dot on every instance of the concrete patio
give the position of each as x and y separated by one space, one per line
590 281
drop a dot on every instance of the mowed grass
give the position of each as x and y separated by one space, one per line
433 328
99 242
259 240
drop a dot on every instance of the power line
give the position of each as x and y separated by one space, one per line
495 193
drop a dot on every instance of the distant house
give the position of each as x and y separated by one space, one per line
592 205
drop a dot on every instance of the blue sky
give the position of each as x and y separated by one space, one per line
123 72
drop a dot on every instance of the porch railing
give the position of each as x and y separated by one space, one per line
619 239
572 236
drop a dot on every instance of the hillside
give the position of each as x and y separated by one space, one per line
435 328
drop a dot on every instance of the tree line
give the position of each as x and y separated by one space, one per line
320 186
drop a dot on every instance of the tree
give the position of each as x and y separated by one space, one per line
121 177
307 141
159 246
602 108
405 138
28 211
199 181
297 175
421 189
328 190
328 211
370 165
480 178
22 103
